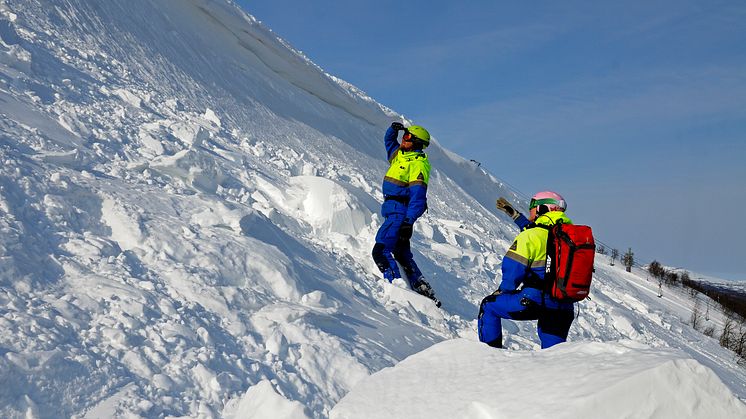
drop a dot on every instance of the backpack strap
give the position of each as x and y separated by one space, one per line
550 275
533 280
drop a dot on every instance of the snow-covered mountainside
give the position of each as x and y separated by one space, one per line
187 209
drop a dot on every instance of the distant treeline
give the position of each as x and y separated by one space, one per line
733 302
731 299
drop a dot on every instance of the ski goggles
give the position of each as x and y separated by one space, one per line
408 136
546 201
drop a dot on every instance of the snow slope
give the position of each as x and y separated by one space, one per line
187 208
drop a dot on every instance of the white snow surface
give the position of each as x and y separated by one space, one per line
585 380
187 209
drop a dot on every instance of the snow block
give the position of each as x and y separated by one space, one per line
191 134
330 206
196 169
467 379
407 298
262 401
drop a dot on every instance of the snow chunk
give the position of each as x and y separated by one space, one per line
124 223
16 57
319 300
190 134
151 143
262 401
162 382
137 364
329 206
71 122
218 214
129 97
196 169
212 117
410 299
469 379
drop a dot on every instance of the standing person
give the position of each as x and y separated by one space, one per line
405 200
521 294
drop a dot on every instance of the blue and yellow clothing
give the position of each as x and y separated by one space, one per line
407 178
525 262
521 294
405 200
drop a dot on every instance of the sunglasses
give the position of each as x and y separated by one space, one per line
409 137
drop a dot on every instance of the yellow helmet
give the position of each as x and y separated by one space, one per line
420 133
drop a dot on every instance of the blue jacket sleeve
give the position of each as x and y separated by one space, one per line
391 143
514 273
522 221
417 203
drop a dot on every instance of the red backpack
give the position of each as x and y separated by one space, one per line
570 253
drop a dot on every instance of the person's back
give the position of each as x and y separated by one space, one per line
522 292
529 250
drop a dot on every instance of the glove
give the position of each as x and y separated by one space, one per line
504 206
405 231
397 126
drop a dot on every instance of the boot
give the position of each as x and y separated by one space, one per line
388 274
421 287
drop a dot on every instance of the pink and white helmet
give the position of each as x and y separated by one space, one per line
552 200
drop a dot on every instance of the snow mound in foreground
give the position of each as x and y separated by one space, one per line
262 401
466 379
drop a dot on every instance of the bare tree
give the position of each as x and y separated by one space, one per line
672 277
709 331
733 336
628 259
614 255
696 319
656 269
601 249
739 346
685 278
737 341
727 337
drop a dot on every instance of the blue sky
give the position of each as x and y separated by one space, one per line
635 111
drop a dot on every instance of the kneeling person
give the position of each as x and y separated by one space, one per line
521 294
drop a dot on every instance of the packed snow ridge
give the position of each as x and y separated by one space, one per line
465 379
187 208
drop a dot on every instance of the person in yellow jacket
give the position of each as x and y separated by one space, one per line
521 294
405 200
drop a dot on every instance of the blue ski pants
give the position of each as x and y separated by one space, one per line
390 249
553 324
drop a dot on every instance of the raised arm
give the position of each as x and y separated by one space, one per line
390 139
520 220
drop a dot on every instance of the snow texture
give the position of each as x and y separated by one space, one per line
466 379
187 210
